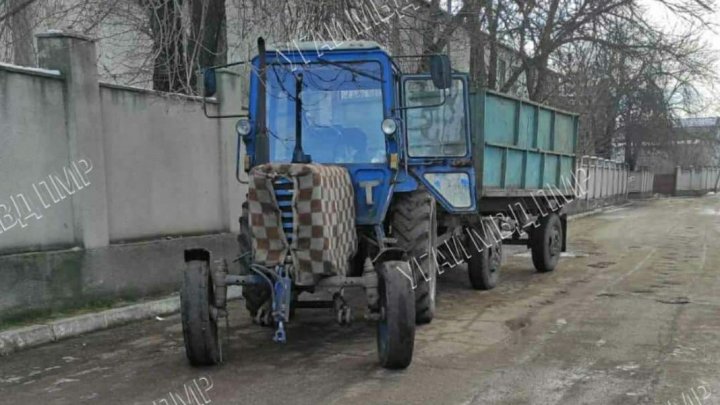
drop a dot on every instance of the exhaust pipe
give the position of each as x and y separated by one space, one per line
262 148
299 155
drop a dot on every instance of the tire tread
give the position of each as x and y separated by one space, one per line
412 221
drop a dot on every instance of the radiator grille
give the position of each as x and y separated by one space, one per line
284 190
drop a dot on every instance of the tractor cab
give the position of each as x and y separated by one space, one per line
351 105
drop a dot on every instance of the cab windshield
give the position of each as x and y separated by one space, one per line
342 109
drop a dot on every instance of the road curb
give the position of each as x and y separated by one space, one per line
14 340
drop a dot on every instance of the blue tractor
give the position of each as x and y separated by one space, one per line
358 173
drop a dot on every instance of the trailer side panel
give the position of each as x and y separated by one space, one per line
521 146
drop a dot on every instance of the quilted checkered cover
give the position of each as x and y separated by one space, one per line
323 206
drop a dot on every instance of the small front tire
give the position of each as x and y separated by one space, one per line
200 331
396 327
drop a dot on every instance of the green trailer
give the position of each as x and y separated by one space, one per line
521 147
524 164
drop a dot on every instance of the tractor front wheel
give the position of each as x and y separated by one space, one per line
200 332
396 327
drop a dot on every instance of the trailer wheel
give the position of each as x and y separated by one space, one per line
546 243
396 327
200 332
414 224
255 295
484 267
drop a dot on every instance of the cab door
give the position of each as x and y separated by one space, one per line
438 146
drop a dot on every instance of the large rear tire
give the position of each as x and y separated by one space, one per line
414 224
396 327
200 331
546 243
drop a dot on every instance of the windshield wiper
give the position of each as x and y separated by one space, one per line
349 69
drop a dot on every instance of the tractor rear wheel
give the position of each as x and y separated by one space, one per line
200 332
414 224
396 327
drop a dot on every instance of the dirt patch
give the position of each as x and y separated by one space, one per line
518 323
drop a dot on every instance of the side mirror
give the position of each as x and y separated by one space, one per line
441 71
209 82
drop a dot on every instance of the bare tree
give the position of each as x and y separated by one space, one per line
603 58
21 19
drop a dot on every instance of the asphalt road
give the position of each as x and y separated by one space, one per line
632 316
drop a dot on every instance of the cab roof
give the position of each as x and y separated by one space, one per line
325 46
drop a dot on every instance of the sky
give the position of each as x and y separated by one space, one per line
667 21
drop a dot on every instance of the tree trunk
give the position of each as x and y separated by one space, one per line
477 48
20 25
493 19
208 42
538 92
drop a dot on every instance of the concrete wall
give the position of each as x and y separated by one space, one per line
603 182
640 183
696 180
159 166
112 164
33 144
163 165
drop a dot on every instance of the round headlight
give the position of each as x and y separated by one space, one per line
243 127
389 126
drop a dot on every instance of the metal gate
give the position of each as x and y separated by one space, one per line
664 184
